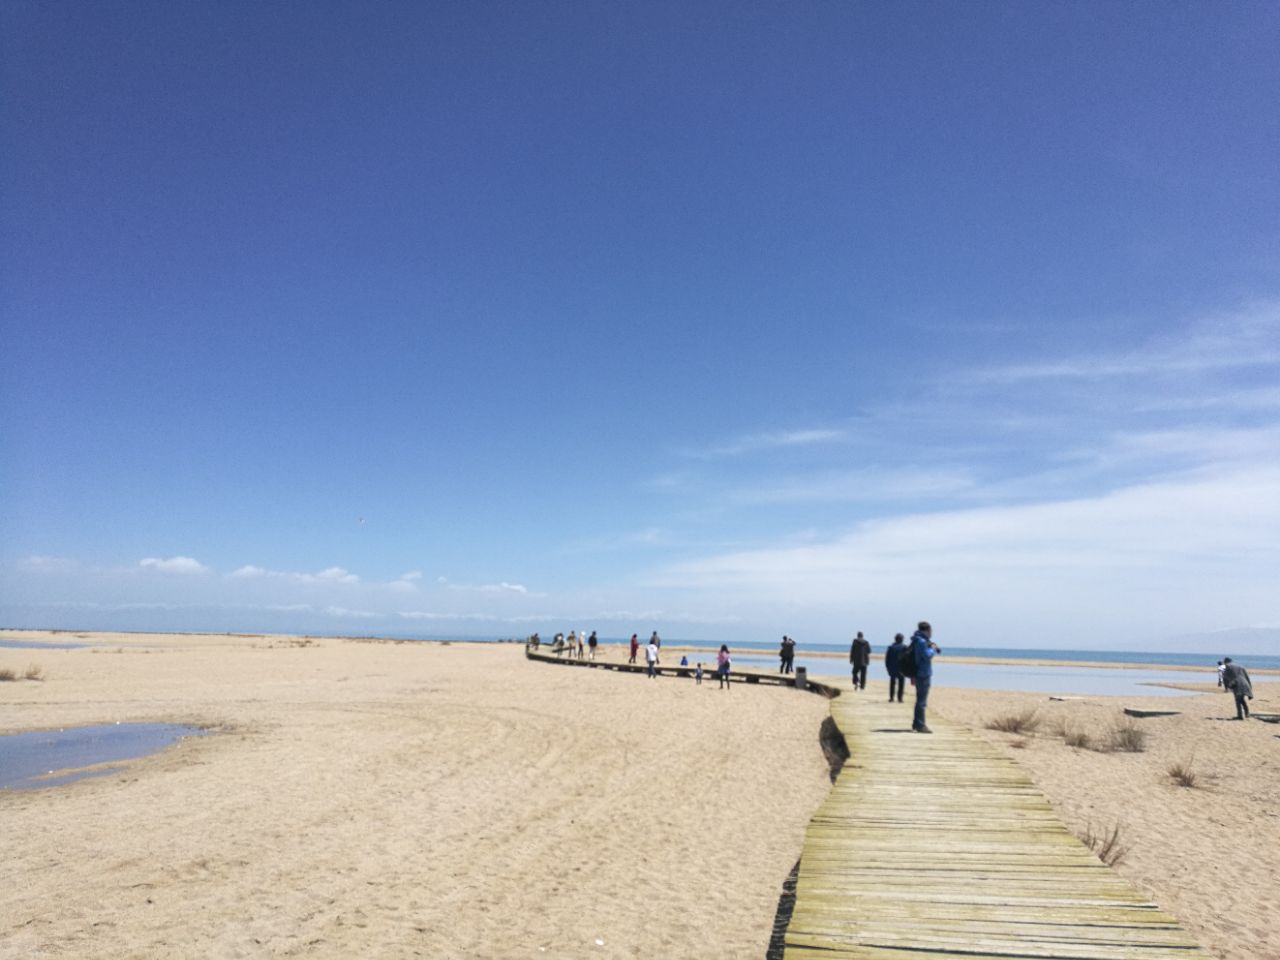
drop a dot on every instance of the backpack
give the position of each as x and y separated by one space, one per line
907 660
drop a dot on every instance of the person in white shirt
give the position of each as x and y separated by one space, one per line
651 658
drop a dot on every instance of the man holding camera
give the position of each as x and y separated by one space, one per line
923 649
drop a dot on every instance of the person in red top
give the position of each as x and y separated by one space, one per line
635 648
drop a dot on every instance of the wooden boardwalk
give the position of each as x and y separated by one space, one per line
670 670
939 846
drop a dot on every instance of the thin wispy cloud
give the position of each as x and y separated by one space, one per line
1246 339
183 565
328 575
757 442
852 486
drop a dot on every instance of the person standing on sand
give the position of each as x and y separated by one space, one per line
896 679
656 641
1221 667
723 663
635 646
1236 679
697 675
592 642
651 658
860 656
923 649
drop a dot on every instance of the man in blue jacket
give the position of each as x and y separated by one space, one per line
923 649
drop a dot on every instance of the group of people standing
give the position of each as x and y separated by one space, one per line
579 646
902 661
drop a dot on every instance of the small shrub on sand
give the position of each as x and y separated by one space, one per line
1078 739
1020 743
1106 844
7 674
1128 738
1026 722
1183 775
34 672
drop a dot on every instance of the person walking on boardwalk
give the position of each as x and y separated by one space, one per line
896 679
923 649
860 656
723 663
635 647
1236 679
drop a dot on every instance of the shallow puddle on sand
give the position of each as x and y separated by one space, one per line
51 758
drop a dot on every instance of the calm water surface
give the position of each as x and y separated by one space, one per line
28 759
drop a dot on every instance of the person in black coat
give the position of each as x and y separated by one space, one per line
860 656
896 679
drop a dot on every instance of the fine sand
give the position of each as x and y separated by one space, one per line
388 799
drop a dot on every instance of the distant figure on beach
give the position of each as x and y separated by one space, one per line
923 650
1236 679
896 679
635 646
860 656
723 663
697 675
535 641
656 640
557 647
684 661
651 658
592 642
1221 669
582 645
572 644
787 654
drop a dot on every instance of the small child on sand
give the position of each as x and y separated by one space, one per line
697 676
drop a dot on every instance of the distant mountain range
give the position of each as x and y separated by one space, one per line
1232 641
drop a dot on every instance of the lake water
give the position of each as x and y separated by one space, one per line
1063 681
31 645
28 759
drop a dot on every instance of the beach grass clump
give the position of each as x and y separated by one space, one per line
34 672
1020 743
1106 844
7 674
1079 739
1028 721
1183 774
1128 738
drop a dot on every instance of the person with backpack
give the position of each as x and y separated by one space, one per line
892 657
920 660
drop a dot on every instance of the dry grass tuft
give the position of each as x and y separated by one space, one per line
34 672
1020 744
7 674
1128 738
1183 774
1106 845
1028 721
1077 738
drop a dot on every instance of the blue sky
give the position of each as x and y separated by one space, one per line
720 319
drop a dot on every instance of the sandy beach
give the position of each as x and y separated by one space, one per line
399 799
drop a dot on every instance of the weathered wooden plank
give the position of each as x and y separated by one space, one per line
939 846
